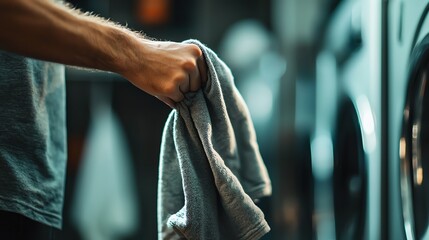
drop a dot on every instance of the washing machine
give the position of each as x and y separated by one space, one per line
408 58
347 142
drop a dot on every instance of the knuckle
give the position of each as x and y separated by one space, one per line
170 89
179 78
195 50
189 64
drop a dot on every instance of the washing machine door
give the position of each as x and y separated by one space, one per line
350 175
414 146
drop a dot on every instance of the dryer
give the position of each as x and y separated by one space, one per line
348 120
408 109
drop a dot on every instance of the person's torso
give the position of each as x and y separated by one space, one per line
32 138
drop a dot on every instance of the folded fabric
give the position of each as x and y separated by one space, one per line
211 170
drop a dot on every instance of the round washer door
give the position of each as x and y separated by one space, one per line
350 175
414 146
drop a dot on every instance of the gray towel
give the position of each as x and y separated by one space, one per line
210 166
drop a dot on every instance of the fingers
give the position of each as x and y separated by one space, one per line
197 76
178 95
192 72
202 68
194 79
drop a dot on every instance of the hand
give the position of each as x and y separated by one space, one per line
167 70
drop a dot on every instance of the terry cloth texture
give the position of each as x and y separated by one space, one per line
210 166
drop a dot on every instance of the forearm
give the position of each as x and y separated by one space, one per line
44 30
41 29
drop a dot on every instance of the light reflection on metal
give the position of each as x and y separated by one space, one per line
423 87
406 198
419 176
402 148
406 113
368 124
415 130
416 154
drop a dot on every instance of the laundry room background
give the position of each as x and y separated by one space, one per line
322 94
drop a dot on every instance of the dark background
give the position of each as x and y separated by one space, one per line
294 26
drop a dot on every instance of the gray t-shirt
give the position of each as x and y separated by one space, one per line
32 138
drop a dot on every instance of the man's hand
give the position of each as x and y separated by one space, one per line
44 30
167 70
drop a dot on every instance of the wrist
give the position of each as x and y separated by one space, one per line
133 50
115 46
121 51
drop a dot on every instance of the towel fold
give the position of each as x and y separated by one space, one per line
211 170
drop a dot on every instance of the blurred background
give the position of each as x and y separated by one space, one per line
313 73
